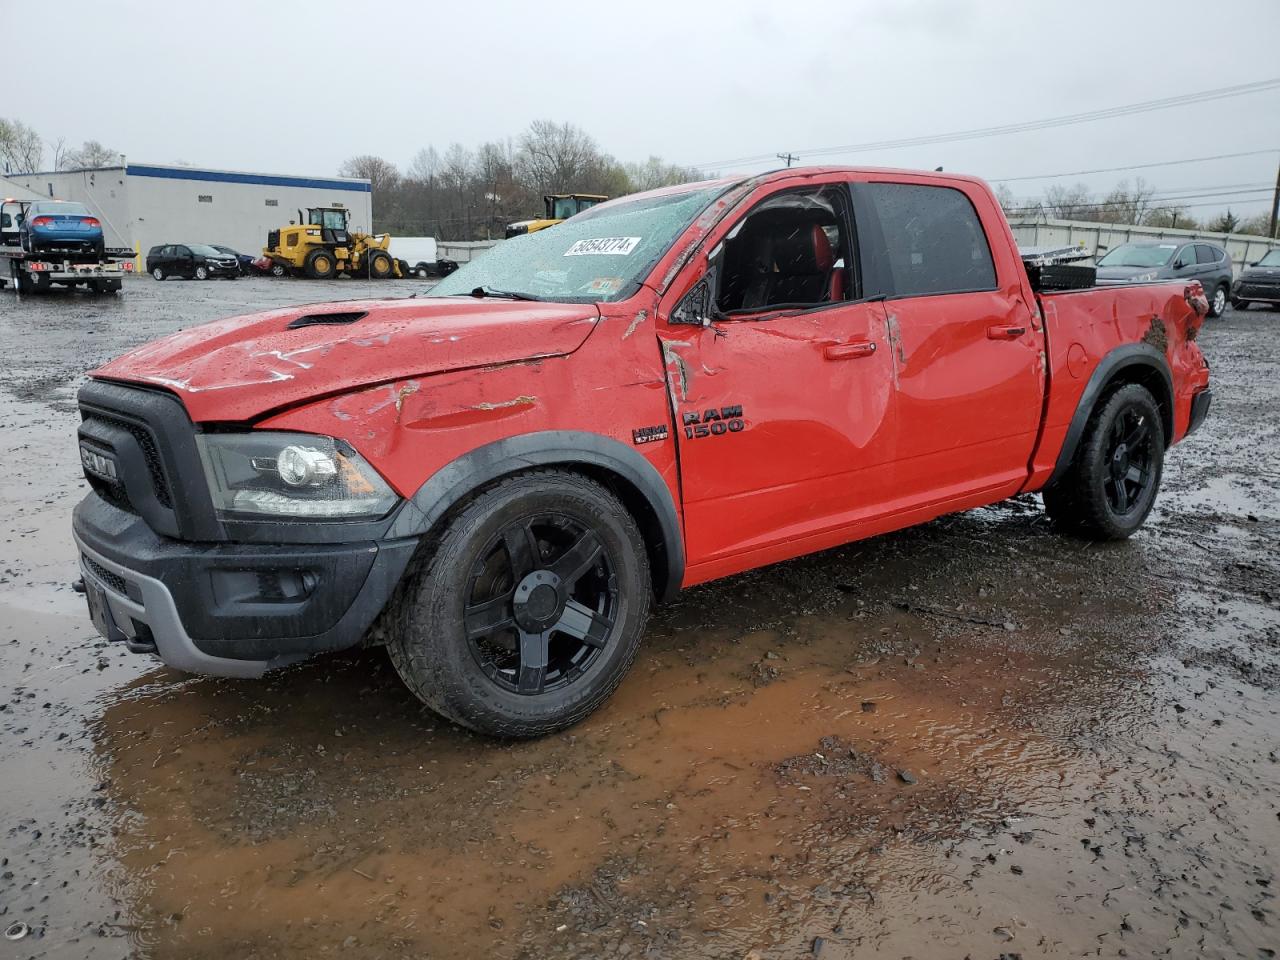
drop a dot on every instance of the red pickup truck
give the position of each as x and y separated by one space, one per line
497 478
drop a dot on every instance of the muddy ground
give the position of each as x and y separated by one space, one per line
971 739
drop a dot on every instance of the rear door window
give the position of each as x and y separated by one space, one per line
1206 254
934 241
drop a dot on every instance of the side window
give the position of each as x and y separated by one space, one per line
181 251
5 221
1206 254
933 238
791 250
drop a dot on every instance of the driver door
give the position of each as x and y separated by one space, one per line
784 404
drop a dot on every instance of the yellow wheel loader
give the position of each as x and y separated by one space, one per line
320 246
559 207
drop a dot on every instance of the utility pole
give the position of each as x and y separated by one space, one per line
790 158
1275 206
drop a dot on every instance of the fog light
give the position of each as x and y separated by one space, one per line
305 466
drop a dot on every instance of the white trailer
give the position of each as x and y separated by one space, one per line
419 257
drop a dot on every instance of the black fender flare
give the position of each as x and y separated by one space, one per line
1121 358
451 483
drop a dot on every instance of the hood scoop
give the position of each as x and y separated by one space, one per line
326 319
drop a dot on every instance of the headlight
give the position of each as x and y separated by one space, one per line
291 475
1143 277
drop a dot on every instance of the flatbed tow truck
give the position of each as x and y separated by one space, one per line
38 272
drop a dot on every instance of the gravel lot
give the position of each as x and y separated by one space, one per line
973 738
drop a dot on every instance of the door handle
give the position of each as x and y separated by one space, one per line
1002 332
849 351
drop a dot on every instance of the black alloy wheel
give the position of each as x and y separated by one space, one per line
1130 454
541 604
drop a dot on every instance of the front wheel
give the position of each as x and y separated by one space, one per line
530 610
158 273
1218 305
202 273
380 265
278 270
1111 485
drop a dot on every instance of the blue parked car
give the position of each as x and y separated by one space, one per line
48 225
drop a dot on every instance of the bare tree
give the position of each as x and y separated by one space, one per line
556 157
425 166
1256 225
1170 216
1008 203
90 155
21 149
1068 203
381 174
655 172
1125 204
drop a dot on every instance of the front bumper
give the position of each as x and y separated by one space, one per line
1253 290
229 609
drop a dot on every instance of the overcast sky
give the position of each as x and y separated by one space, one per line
297 87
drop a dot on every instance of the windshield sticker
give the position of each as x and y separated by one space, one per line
616 246
605 285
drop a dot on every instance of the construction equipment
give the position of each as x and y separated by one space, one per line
321 245
559 207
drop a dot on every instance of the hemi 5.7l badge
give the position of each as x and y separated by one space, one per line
649 434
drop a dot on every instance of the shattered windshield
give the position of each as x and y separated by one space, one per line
1134 255
601 254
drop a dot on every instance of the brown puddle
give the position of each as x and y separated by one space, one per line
744 789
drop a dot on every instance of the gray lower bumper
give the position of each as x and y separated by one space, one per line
158 611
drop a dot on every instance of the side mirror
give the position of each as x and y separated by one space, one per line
696 307
1179 264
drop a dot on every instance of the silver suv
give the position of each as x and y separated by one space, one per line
1145 260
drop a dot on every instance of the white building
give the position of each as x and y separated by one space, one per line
144 205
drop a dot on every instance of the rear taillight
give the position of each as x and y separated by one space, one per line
42 221
90 221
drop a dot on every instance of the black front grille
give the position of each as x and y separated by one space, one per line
112 580
155 467
156 470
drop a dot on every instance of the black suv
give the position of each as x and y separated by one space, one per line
191 261
1259 283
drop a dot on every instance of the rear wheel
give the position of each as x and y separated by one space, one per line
320 265
380 265
530 610
1111 486
1218 302
422 271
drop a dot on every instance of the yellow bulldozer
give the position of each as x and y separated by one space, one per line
559 207
321 245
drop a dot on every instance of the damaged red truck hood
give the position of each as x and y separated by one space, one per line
239 368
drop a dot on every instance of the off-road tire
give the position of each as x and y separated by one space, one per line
1218 300
1077 502
381 266
315 265
427 644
